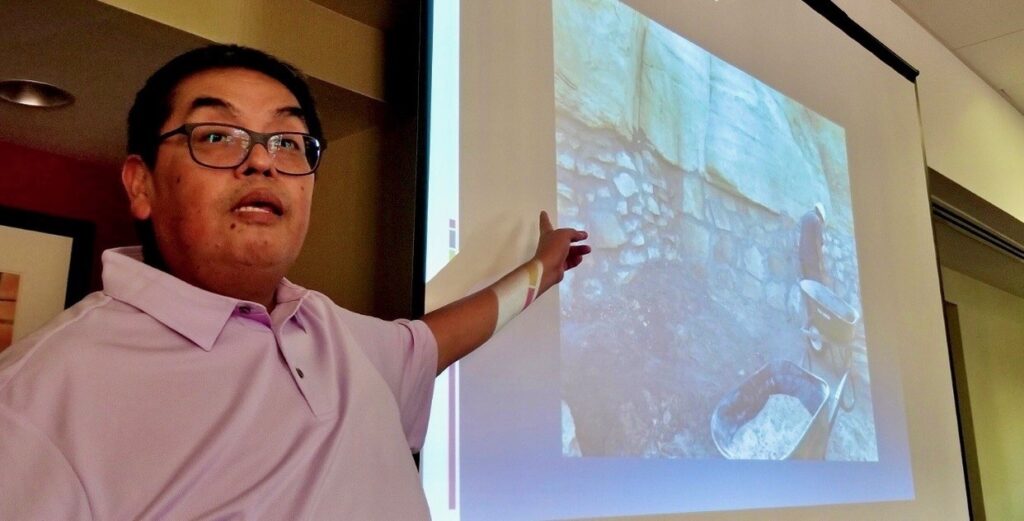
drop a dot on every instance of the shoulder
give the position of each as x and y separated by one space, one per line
370 333
47 349
320 307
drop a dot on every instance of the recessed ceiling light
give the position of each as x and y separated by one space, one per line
34 94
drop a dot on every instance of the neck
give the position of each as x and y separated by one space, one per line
247 283
150 252
253 285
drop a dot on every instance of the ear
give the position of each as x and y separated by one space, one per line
138 184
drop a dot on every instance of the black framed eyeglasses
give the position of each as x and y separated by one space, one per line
216 145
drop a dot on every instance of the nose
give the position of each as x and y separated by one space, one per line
259 161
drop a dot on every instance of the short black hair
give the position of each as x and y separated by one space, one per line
153 102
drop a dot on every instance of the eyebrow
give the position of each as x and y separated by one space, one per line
217 103
209 101
295 112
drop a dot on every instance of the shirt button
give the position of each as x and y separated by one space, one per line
299 372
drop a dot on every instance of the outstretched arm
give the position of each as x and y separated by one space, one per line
463 325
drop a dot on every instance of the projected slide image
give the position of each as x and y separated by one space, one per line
720 314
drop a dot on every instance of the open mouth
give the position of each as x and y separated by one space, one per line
259 201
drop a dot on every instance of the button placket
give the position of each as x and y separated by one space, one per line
291 357
293 343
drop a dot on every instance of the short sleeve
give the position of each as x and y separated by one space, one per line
405 354
36 480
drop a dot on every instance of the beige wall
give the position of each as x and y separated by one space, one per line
322 42
359 250
338 257
992 333
971 134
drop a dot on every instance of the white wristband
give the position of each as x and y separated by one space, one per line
517 291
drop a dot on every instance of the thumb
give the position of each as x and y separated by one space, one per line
545 222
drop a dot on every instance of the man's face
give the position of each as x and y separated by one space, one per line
207 220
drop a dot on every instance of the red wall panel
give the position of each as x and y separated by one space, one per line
42 182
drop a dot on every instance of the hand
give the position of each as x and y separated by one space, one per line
557 252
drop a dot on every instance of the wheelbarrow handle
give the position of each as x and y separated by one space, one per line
833 410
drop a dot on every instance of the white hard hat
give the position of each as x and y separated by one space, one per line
820 208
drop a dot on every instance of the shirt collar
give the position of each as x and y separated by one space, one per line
288 300
192 312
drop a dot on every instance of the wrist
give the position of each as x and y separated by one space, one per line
517 290
547 278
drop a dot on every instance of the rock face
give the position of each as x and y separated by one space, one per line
597 48
752 147
625 184
675 101
606 231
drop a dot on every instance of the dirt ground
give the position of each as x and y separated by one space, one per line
644 366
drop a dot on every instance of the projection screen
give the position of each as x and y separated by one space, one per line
758 332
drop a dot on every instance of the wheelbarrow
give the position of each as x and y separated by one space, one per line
832 319
742 404
833 328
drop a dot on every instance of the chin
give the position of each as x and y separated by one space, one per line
262 256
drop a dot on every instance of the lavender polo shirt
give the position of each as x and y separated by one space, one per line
155 399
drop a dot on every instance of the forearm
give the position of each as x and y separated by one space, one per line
464 325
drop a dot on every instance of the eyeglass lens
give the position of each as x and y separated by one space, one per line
219 146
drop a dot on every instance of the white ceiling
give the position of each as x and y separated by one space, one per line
987 35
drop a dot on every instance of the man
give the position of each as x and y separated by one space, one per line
200 384
811 252
812 243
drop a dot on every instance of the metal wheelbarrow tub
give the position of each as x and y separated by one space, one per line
743 403
834 319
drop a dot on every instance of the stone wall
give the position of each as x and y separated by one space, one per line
617 70
639 208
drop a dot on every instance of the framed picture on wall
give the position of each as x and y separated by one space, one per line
45 263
